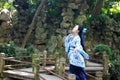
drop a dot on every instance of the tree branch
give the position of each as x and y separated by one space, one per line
97 8
31 26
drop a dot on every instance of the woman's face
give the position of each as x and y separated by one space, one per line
75 29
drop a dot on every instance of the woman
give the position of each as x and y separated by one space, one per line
75 47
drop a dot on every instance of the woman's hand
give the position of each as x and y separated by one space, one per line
75 50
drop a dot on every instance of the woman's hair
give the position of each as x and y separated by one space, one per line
81 35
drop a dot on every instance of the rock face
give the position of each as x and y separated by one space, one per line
49 32
4 26
54 34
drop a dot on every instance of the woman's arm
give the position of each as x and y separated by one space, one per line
79 49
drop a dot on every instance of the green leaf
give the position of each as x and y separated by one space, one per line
105 10
6 5
114 10
115 7
32 1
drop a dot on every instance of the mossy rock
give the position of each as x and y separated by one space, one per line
68 18
80 19
73 6
52 43
117 39
65 25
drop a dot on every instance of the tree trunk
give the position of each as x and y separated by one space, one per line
97 8
31 26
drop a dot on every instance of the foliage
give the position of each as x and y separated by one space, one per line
8 49
101 48
113 57
91 4
101 20
115 64
25 51
114 61
104 25
52 8
11 50
6 4
113 7
100 23
115 68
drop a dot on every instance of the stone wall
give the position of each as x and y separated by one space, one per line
51 36
5 26
48 36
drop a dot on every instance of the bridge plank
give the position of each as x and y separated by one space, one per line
93 64
26 74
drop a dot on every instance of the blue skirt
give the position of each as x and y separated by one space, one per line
78 71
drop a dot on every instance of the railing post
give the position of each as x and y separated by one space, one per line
57 60
35 66
45 57
99 75
106 74
71 77
2 63
62 66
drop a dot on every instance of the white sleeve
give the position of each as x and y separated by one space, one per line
78 43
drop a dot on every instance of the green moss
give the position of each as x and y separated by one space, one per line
2 75
80 19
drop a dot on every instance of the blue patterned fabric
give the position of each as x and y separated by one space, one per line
77 59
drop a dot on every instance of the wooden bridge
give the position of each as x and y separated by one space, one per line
43 68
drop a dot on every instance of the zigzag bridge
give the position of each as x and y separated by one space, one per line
38 67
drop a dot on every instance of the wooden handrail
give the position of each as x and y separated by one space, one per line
14 60
15 65
53 73
9 58
91 76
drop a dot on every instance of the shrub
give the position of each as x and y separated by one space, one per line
11 50
101 48
115 68
8 49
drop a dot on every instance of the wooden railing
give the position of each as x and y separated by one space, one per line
37 63
59 63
